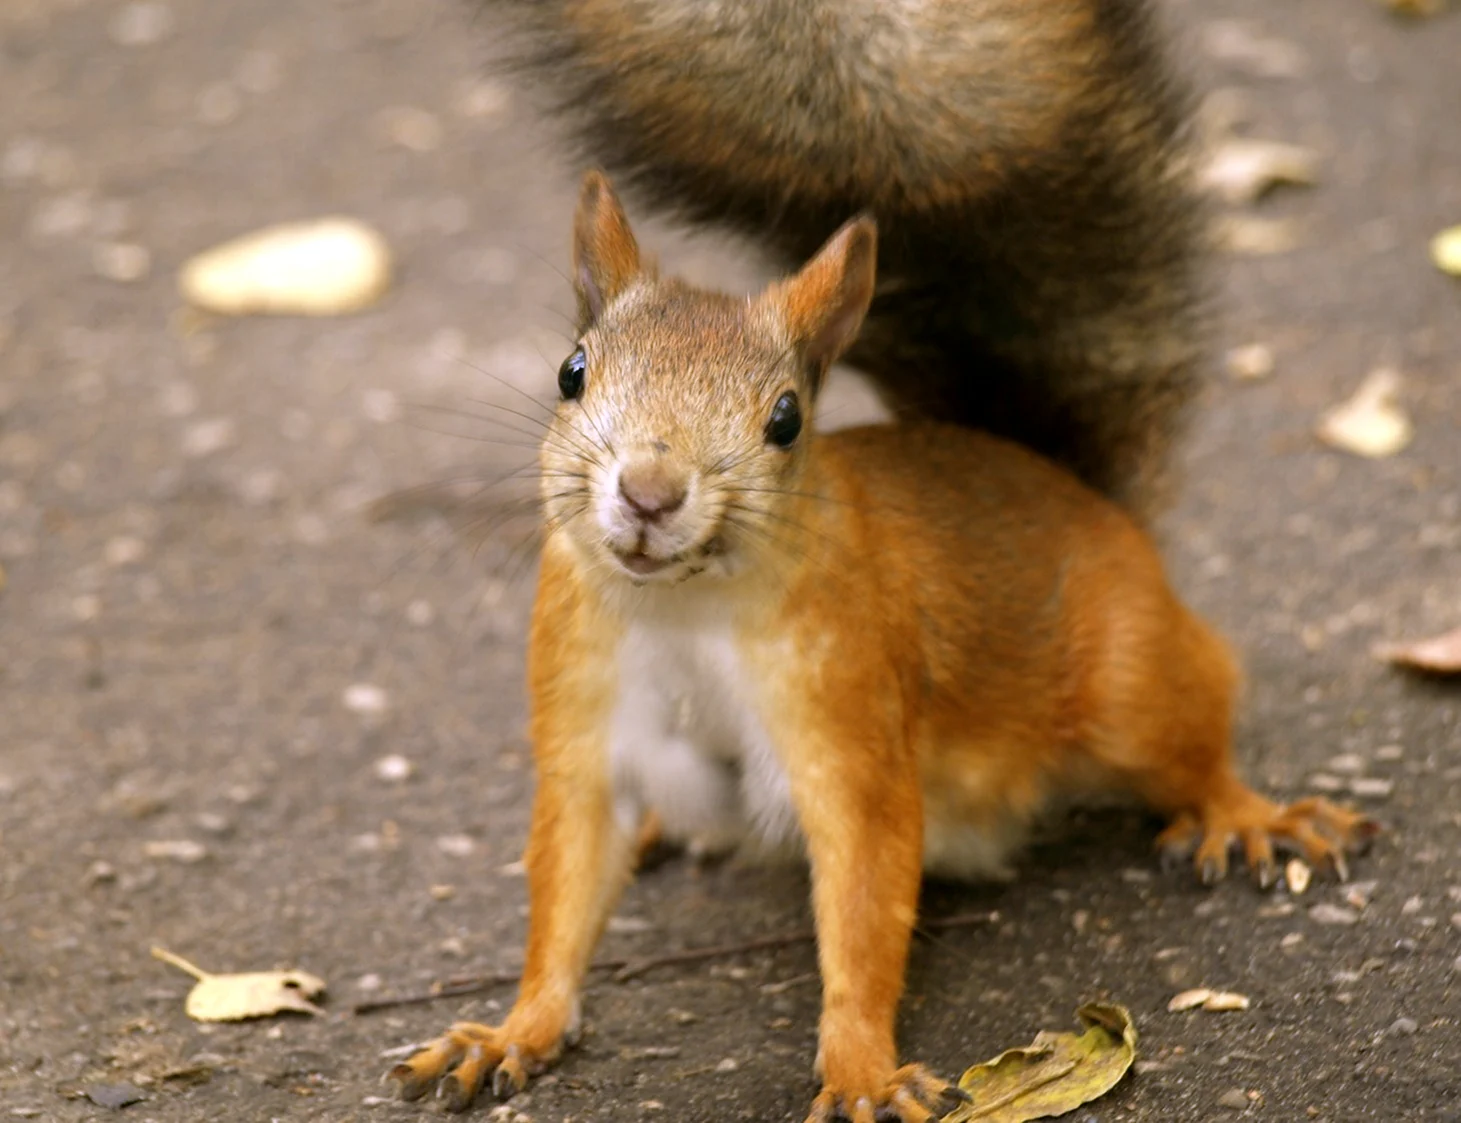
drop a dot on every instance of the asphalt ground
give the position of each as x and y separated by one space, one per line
197 572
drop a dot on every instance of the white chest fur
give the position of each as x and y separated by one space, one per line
688 743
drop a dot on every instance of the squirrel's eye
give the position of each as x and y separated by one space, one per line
786 421
570 375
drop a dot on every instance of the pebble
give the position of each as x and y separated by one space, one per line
124 550
1411 906
184 850
1323 782
114 1096
393 769
1333 914
1250 363
261 487
1456 921
482 99
1291 940
1389 752
1297 875
1348 763
99 872
365 698
419 613
1371 787
141 24
442 892
456 845
324 267
219 104
411 128
1402 1027
212 435
729 1064
1234 1098
121 261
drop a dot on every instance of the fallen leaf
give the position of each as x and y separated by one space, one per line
1242 170
1439 655
1446 251
322 268
1207 999
1371 423
1416 8
1188 1000
255 994
1056 1073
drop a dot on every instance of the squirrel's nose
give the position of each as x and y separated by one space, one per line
652 488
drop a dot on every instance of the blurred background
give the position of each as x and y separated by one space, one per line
261 626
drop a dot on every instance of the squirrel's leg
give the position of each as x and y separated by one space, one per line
579 857
577 862
1170 734
858 801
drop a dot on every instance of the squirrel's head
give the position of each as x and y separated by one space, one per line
681 436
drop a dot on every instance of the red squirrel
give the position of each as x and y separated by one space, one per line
893 646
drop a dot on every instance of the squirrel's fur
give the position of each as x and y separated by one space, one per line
894 646
1025 160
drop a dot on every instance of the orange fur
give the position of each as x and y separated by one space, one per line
938 632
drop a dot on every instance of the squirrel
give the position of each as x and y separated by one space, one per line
1028 163
892 646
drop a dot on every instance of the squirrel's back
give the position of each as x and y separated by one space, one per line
1025 161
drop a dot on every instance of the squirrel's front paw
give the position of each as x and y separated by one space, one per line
459 1060
913 1094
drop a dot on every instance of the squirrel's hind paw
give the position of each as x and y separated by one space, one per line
1323 834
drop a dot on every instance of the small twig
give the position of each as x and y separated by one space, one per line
624 969
695 955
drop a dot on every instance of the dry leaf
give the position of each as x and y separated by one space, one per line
321 268
256 994
1440 654
1240 170
1207 999
1056 1073
1189 1000
1371 423
1416 8
1446 251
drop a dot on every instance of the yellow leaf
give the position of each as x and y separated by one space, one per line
1446 251
254 994
1056 1073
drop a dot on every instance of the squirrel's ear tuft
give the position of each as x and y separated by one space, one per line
823 305
605 254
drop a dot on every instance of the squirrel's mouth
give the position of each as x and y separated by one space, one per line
641 564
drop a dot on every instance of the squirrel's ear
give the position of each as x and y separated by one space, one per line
823 305
605 254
